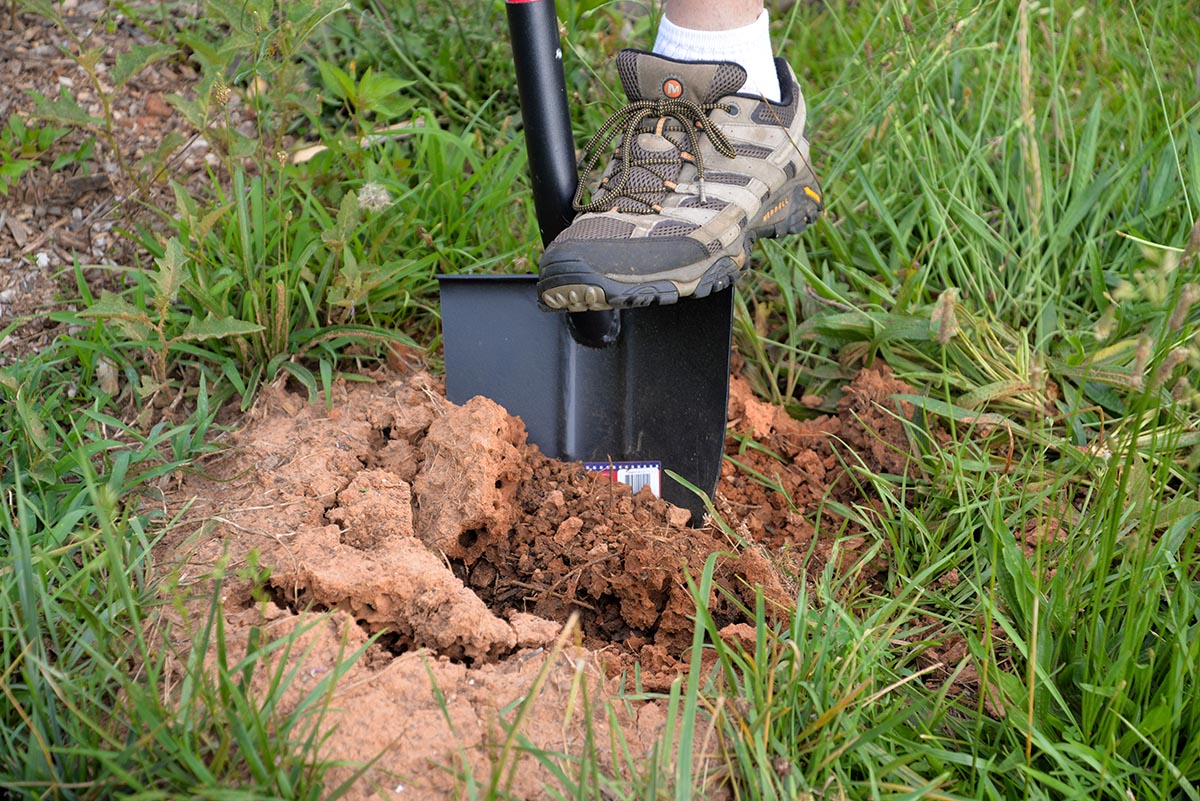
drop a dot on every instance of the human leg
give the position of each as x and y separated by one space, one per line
707 15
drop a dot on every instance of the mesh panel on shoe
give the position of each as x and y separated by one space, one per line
711 204
672 228
751 151
643 179
627 71
645 182
773 114
668 170
729 79
647 186
599 227
727 178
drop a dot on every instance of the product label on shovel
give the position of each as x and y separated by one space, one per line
635 474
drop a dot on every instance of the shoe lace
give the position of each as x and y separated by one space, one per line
629 121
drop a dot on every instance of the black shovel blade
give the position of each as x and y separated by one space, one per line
658 393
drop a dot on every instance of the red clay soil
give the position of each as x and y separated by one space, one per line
440 530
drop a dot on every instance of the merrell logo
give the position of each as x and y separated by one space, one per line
778 207
672 88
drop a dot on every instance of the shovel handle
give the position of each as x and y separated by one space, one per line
537 54
533 27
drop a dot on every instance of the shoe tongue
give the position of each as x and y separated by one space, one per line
646 76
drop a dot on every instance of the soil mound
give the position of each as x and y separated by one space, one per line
439 529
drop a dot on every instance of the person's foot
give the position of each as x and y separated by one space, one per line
700 172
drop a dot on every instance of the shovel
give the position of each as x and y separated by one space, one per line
636 392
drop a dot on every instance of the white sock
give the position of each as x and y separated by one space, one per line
749 46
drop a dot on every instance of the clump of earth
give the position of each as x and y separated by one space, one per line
388 512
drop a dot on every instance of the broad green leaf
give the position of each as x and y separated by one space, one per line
1170 513
43 8
137 59
1084 163
45 138
65 110
33 424
216 328
114 307
957 413
336 80
895 327
994 391
11 172
133 321
192 110
17 126
347 221
205 224
377 90
185 207
240 147
170 275
304 376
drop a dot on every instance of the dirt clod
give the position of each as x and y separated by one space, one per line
374 509
472 469
399 587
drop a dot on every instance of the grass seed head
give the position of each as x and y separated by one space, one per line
1176 357
220 93
1193 246
1124 291
1103 328
1141 357
1187 298
1184 393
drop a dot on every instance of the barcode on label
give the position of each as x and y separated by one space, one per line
636 474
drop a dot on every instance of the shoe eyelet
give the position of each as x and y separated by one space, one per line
732 110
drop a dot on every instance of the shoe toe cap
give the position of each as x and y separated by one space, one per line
645 256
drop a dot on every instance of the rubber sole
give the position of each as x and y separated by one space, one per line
790 212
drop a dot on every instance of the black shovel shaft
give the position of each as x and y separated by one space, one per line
537 55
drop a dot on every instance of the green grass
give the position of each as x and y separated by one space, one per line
92 705
1013 193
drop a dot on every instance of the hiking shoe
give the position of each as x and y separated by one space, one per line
700 172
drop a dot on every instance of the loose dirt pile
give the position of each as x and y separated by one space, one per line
439 529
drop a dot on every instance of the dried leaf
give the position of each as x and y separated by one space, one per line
19 231
943 319
106 376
